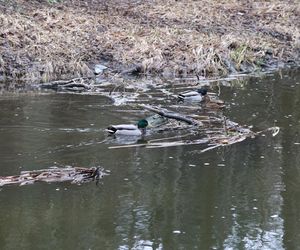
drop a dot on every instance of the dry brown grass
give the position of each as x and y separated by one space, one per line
42 42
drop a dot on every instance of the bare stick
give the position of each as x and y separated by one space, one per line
60 83
172 115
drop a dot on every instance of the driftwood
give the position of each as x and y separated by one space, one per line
54 174
172 115
203 121
75 84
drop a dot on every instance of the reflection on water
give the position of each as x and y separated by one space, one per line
245 196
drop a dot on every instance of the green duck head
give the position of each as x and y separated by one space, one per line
202 91
142 123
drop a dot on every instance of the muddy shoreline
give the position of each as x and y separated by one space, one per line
44 41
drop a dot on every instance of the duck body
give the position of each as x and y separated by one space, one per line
124 129
128 129
193 96
210 103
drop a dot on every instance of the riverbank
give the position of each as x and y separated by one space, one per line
48 40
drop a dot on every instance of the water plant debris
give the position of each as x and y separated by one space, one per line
75 175
211 131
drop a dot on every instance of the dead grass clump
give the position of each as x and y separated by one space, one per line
42 42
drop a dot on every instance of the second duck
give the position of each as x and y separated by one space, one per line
193 96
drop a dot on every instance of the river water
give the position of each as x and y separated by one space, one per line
244 196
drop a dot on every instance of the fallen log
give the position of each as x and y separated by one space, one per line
75 175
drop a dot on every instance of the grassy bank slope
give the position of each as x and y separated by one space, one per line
40 41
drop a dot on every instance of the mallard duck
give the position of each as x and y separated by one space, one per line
194 96
212 103
128 129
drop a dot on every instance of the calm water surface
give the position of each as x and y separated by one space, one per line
244 196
